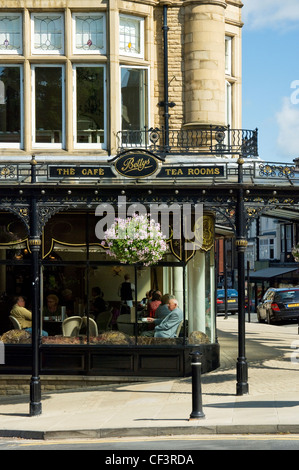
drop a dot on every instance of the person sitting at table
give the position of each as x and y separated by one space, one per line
154 304
163 310
23 315
168 326
52 308
98 303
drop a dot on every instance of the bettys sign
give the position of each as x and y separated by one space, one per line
137 164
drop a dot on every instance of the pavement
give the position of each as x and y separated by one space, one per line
161 407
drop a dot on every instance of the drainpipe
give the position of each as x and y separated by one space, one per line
166 103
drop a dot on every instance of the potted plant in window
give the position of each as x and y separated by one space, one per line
136 239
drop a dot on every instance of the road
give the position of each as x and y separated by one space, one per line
158 451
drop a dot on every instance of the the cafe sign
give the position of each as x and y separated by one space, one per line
80 171
138 164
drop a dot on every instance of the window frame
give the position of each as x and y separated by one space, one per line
88 52
20 50
228 55
100 145
228 102
141 22
48 52
48 145
20 145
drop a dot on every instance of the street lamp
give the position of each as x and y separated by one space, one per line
241 244
35 246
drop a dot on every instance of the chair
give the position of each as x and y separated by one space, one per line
179 329
71 326
15 323
103 320
124 324
93 328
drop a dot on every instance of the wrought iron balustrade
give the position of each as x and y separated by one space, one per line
212 140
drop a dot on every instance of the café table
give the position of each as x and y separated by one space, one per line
52 326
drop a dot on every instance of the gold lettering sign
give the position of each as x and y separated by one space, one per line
136 165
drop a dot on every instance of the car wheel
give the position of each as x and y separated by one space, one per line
269 321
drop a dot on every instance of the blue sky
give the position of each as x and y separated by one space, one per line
270 70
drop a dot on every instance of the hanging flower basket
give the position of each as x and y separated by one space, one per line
136 239
295 252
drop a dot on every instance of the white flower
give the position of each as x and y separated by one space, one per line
135 239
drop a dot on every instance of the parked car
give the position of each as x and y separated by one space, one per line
278 305
232 301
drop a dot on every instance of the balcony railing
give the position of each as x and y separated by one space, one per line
211 141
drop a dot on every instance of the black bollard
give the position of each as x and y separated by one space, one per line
197 412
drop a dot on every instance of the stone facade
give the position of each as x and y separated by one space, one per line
197 74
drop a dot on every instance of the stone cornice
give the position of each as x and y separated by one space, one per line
206 2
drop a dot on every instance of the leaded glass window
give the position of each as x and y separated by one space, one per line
10 33
89 33
131 36
48 37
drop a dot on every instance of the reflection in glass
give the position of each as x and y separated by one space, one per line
134 88
48 107
10 105
90 105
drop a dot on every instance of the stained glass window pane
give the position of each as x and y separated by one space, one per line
89 33
48 34
10 33
131 36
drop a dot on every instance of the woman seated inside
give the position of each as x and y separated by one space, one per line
52 308
23 315
154 304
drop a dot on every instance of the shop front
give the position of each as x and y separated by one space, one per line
74 267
